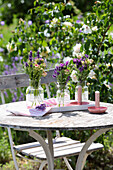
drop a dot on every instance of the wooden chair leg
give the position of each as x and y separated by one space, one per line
67 163
42 165
12 150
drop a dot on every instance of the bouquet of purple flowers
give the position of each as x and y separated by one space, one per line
62 73
35 69
81 67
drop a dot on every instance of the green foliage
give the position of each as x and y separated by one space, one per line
5 152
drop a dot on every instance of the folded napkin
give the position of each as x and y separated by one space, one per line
28 112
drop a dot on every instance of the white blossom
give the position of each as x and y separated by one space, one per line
76 49
73 76
1 59
11 48
95 28
46 33
54 21
86 29
69 24
67 59
92 74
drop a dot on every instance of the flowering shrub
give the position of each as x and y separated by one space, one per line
35 68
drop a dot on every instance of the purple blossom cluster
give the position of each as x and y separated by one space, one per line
13 70
41 107
59 68
81 63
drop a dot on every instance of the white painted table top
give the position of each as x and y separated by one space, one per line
78 120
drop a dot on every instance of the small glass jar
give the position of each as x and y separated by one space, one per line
84 91
63 96
34 96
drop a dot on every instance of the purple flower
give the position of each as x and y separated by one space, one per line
31 65
26 64
57 68
41 107
74 60
19 39
2 23
82 40
47 21
80 16
54 76
13 100
78 21
61 64
80 30
67 62
68 78
30 56
1 50
21 57
29 22
55 71
21 94
6 72
6 66
5 93
1 35
38 55
86 56
16 58
15 94
81 68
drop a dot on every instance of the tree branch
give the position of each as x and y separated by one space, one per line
103 38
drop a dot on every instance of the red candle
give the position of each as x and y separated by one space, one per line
79 95
97 99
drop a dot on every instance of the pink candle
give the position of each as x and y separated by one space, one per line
80 95
97 99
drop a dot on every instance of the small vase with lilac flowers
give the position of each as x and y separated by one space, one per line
35 69
81 67
62 73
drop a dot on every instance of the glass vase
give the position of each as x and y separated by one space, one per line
34 96
84 91
63 96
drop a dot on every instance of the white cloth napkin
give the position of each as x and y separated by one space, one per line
28 112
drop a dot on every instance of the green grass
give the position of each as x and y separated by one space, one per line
7 30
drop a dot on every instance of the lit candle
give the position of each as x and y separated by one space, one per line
97 99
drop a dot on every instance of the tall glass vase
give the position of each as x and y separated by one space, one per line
63 95
34 96
84 91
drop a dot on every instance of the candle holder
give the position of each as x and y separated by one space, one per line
97 108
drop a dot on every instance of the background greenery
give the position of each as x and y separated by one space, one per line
98 45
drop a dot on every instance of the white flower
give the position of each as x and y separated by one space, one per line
54 21
92 74
95 28
48 50
68 24
86 29
1 59
73 76
11 48
46 33
76 49
67 59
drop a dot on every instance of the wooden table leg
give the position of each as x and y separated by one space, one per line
83 155
45 147
50 142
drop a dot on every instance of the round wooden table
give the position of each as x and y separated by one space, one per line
77 120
